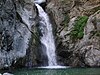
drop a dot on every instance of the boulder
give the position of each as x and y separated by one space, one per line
7 74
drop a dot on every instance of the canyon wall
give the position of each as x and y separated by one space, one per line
18 33
76 27
77 31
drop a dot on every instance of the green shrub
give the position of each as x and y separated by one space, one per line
78 30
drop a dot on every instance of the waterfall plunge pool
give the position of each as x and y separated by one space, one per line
64 71
60 70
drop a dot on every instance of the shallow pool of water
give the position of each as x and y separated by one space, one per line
68 71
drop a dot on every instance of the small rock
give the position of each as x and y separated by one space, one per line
7 74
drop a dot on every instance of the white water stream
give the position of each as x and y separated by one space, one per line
47 38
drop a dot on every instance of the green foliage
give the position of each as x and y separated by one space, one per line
78 30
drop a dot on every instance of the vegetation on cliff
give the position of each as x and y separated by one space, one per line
78 30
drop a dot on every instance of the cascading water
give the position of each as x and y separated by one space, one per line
47 38
39 1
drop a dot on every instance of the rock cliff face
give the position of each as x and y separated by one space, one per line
76 25
18 34
77 29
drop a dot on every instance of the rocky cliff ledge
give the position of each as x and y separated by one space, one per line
18 34
77 29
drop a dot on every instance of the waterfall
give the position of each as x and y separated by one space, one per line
39 1
47 38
